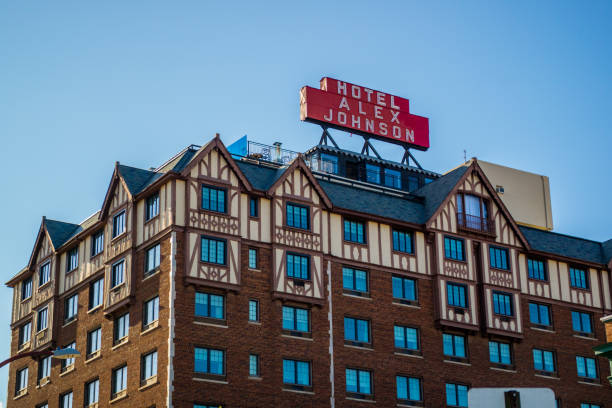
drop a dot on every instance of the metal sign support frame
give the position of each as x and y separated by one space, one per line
408 156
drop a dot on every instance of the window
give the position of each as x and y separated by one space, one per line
453 248
356 330
21 382
44 368
393 178
117 275
43 405
152 259
586 367
329 163
44 275
121 328
41 321
296 319
372 173
589 405
209 305
26 289
502 303
96 293
253 365
97 243
73 259
456 294
472 212
296 372
354 231
148 366
92 392
213 250
209 361
456 395
498 258
298 266
408 388
413 182
355 280
536 270
151 312
70 308
66 400
358 381
404 289
539 314
152 207
253 310
208 406
25 333
402 241
119 380
119 224
406 338
454 345
578 278
94 339
298 216
254 207
544 361
252 258
68 362
213 199
581 323
499 353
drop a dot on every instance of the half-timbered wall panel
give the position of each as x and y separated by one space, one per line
605 283
148 229
228 274
282 284
180 202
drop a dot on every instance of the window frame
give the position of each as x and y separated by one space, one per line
581 314
116 393
114 266
544 269
94 238
144 369
405 300
146 323
117 324
208 372
301 256
456 390
217 241
543 371
295 385
21 380
406 350
26 288
156 259
93 293
454 356
550 316
353 290
499 311
587 378
500 363
409 401
587 282
257 318
257 373
71 308
494 249
466 297
116 233
68 363
255 258
301 207
38 320
358 394
62 399
72 252
209 306
357 222
448 254
86 393
217 189
405 233
357 342
21 341
44 367
91 342
44 270
152 211
253 207
295 332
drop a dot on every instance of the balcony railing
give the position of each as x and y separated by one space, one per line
475 223
273 154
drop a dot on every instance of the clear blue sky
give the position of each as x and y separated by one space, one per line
84 84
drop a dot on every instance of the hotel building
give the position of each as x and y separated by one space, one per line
325 279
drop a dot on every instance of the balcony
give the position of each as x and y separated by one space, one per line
272 154
473 223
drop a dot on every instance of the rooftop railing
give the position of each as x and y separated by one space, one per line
272 154
475 223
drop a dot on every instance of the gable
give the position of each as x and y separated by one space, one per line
298 182
448 218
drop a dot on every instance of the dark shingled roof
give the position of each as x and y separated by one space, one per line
563 245
606 248
183 161
60 232
370 202
437 191
137 179
260 177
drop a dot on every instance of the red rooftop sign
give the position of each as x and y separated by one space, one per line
357 109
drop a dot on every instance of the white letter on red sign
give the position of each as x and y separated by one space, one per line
410 135
356 92
341 88
342 118
369 123
377 112
383 128
393 105
380 98
330 115
394 117
356 121
397 132
361 112
344 104
369 92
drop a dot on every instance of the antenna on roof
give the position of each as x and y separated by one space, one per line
464 156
